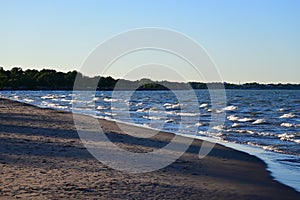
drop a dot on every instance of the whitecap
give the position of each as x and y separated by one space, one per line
218 128
49 96
173 106
203 105
96 99
259 121
297 141
66 100
288 137
235 125
169 121
285 136
167 104
187 114
54 105
110 100
142 110
199 124
232 118
139 104
28 100
289 115
245 131
152 117
230 108
270 148
288 125
153 110
101 108
244 119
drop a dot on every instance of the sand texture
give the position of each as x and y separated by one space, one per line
42 157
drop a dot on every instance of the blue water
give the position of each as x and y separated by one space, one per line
263 123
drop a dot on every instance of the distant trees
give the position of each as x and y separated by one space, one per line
48 79
30 79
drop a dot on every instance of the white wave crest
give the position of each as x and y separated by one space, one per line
218 128
169 121
187 114
101 108
236 125
172 106
259 121
230 108
288 125
203 105
110 100
199 124
139 104
289 115
49 96
28 100
233 118
244 119
142 110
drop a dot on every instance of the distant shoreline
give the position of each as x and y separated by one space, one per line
245 89
48 79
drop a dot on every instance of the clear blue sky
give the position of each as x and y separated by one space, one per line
249 40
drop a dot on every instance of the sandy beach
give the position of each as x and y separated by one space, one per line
42 157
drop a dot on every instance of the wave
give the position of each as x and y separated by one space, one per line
54 105
218 128
187 114
169 121
245 119
101 108
28 100
110 100
172 106
230 108
15 97
96 99
288 125
139 104
199 124
259 121
235 125
232 118
289 137
245 131
142 110
203 105
289 115
153 117
49 96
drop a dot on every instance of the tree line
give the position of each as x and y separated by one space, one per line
49 79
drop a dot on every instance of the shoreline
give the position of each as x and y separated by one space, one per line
224 173
289 177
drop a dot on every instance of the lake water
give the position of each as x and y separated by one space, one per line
263 123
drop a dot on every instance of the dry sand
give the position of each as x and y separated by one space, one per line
42 157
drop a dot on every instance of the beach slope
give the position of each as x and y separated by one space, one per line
42 157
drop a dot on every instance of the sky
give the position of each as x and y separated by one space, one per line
257 40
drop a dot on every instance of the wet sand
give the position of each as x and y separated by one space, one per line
42 157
